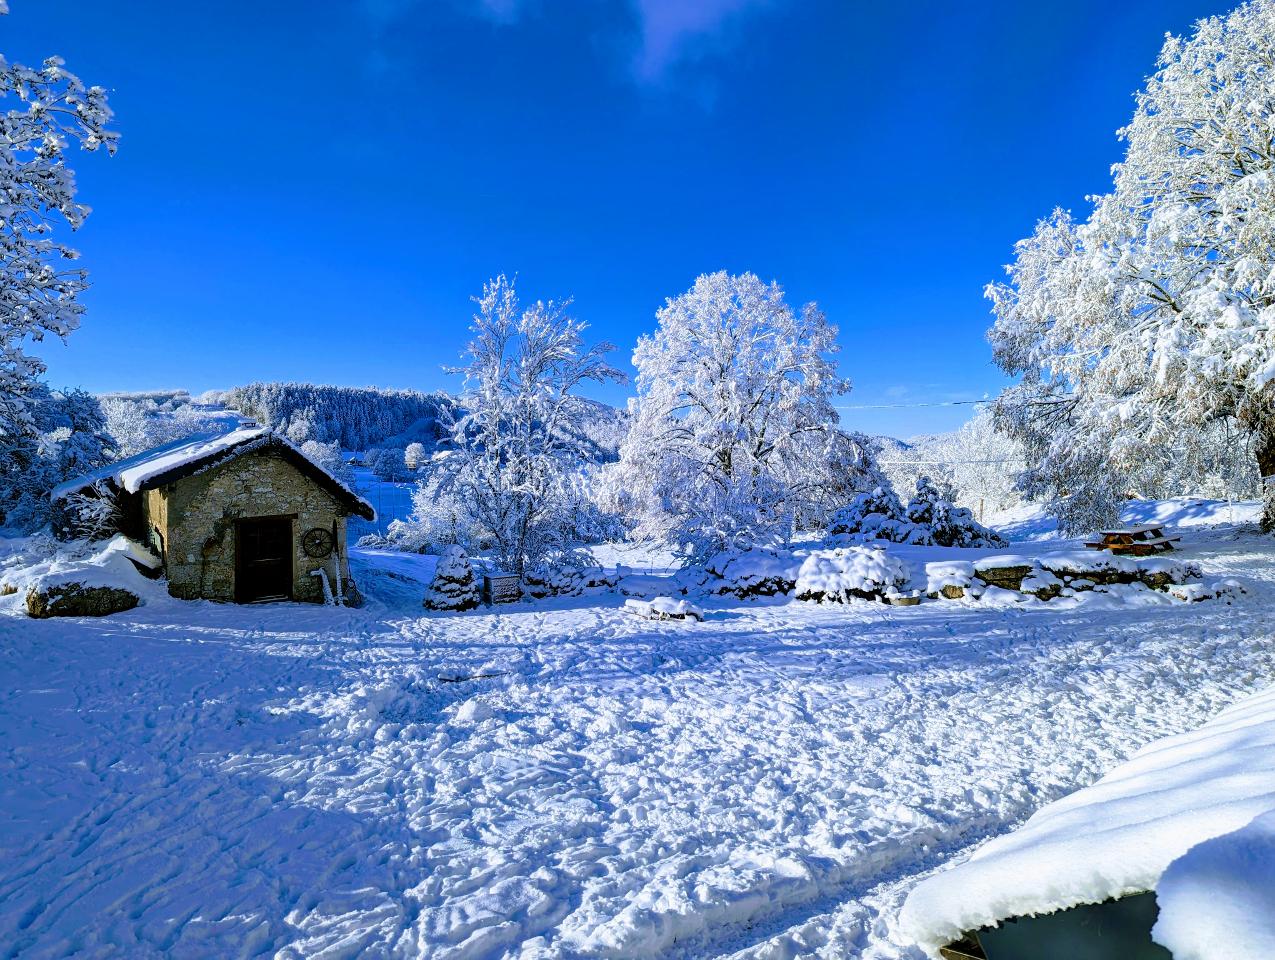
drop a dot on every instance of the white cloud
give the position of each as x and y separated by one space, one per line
667 27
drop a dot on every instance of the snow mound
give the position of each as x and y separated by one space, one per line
665 608
113 564
1217 901
753 573
863 572
1116 837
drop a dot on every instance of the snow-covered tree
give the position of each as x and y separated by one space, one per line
455 587
929 518
734 438
66 438
513 452
329 457
414 456
139 422
1145 331
389 465
48 109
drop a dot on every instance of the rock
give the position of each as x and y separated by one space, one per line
952 592
78 600
1007 578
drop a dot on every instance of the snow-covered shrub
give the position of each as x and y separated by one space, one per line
64 437
868 573
875 515
761 572
929 519
455 587
91 513
938 522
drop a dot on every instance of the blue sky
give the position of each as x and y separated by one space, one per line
312 190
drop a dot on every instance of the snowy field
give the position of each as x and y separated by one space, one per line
562 779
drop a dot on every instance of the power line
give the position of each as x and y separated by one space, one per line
896 406
931 463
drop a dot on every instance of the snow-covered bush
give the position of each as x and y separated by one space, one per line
929 519
875 515
936 521
734 439
866 573
91 513
664 608
760 572
975 466
1141 335
454 587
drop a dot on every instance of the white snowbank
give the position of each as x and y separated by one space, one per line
103 565
1116 837
1217 902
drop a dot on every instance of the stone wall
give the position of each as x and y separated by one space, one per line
196 516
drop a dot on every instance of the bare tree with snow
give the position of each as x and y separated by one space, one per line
1144 333
514 457
734 435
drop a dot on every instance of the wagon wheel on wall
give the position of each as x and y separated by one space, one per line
317 543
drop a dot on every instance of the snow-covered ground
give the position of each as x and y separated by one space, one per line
564 778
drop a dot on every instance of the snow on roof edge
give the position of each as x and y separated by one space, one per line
133 473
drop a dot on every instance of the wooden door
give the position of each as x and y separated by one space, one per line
263 559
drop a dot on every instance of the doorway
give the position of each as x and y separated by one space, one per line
263 559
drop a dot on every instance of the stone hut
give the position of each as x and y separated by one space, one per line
239 516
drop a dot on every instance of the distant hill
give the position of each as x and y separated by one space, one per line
356 418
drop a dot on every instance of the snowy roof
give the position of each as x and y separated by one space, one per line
1120 835
179 458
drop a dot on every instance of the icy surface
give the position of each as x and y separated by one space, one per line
562 778
1217 901
1117 836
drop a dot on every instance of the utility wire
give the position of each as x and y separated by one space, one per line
896 406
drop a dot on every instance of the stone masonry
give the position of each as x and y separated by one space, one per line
192 521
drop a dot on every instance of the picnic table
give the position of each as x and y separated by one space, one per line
1139 541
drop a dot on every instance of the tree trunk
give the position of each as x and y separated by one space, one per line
1266 470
